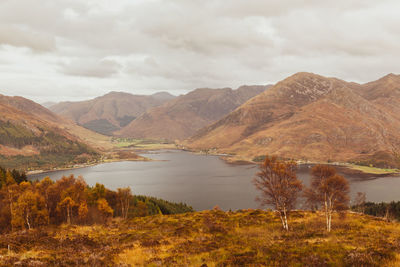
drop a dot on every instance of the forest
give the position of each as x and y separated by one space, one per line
53 148
27 205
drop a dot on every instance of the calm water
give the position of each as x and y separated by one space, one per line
203 181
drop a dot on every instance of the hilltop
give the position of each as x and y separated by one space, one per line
110 112
183 116
315 118
210 238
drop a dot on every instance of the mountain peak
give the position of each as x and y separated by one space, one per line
303 87
163 95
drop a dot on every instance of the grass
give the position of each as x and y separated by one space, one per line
214 238
146 144
373 170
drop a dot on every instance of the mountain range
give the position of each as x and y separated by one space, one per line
311 117
181 117
305 117
110 112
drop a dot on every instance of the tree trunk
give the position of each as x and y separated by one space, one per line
330 222
127 209
326 212
282 220
329 214
47 207
27 220
68 215
11 209
286 221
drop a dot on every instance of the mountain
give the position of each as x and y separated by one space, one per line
108 113
311 117
32 136
183 116
48 104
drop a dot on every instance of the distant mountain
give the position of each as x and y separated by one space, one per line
48 104
183 116
111 112
311 117
32 136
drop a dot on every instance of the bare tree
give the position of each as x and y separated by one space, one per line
360 200
329 190
279 186
124 197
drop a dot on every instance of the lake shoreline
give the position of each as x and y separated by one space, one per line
344 168
84 165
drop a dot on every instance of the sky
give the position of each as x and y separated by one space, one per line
57 50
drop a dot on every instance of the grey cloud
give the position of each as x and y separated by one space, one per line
19 37
91 68
147 45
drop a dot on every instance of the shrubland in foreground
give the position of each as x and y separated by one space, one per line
210 238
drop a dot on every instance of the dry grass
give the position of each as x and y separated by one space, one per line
214 238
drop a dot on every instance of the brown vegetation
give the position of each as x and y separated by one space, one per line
209 238
278 183
329 191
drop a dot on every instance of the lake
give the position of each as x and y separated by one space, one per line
204 181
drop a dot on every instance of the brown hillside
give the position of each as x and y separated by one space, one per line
311 117
183 116
110 112
25 107
27 129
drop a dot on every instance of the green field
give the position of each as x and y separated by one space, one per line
373 170
142 143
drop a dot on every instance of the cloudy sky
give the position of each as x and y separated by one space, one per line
53 50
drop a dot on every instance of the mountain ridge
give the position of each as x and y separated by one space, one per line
181 117
310 117
110 112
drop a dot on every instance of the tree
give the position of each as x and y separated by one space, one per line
141 209
104 208
43 188
30 210
359 201
329 190
83 211
124 197
11 187
67 203
97 192
279 186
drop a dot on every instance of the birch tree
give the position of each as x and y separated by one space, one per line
124 197
30 210
329 190
279 186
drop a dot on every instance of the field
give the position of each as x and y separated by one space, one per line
141 144
373 170
214 238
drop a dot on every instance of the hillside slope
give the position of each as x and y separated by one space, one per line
110 112
183 116
210 238
32 136
311 117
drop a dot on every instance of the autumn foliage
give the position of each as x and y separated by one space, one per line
279 186
328 191
28 205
